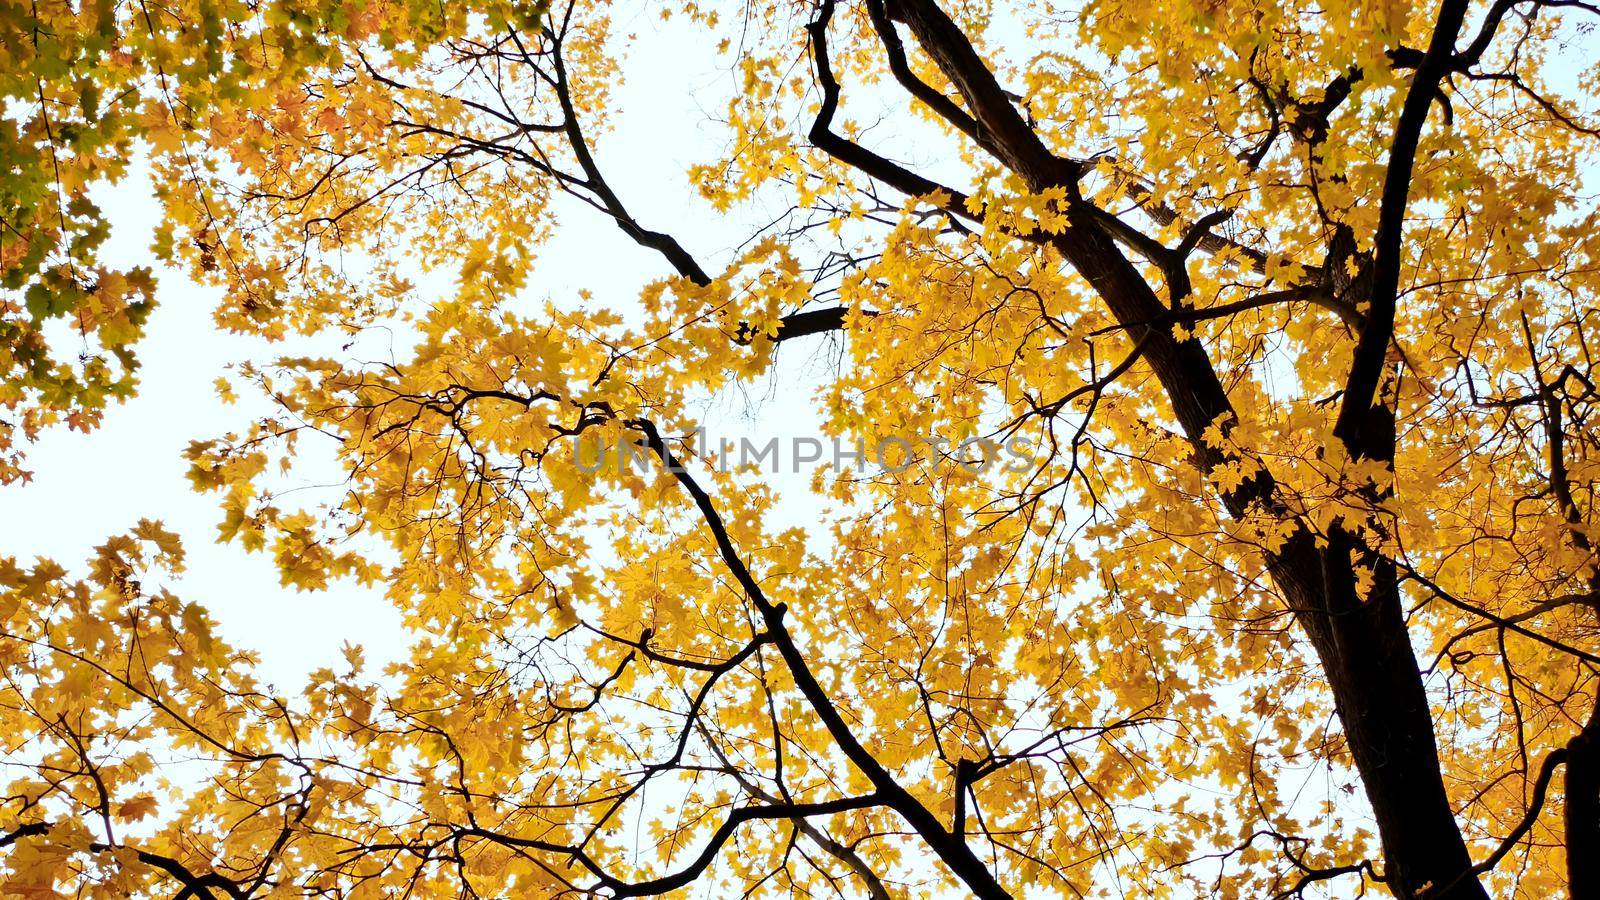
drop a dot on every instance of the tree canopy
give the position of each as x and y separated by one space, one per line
1294 593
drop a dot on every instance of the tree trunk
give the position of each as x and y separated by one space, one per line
1582 814
1371 668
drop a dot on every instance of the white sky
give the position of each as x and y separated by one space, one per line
88 487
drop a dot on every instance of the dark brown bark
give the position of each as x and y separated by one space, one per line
1582 813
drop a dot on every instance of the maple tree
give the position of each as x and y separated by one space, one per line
1297 596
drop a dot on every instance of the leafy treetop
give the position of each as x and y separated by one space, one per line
1296 593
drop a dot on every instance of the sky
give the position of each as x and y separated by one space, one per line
88 487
